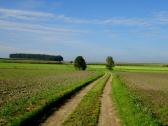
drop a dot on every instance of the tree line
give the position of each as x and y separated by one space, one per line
36 57
79 62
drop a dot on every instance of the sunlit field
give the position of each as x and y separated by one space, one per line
131 68
152 89
27 88
149 91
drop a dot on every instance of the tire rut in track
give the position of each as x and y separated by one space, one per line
68 107
108 115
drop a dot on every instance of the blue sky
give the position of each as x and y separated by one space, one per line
128 30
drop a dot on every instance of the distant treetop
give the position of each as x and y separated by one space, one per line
36 57
109 62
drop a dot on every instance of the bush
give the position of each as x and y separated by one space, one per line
80 63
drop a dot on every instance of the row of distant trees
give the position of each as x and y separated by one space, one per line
36 57
80 63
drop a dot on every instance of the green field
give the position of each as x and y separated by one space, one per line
144 86
26 88
152 90
140 92
130 109
83 62
153 68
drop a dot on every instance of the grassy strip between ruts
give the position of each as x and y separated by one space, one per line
87 112
131 111
33 117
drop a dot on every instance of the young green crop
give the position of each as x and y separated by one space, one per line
141 68
145 68
152 90
36 66
87 112
131 111
27 90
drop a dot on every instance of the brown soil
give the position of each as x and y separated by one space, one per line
57 118
108 115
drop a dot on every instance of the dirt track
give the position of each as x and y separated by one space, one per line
108 113
58 116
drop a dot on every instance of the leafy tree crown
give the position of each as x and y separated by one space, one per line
109 62
80 63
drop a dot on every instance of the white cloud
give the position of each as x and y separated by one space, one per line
8 14
161 17
125 21
33 15
35 28
20 14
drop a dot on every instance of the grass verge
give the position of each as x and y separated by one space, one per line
87 112
131 110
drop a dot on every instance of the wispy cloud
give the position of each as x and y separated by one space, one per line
23 15
125 21
35 28
162 17
8 14
33 15
12 19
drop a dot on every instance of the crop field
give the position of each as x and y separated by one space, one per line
83 63
141 68
36 66
26 88
132 68
151 90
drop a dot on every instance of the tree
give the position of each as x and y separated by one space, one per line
80 63
110 63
